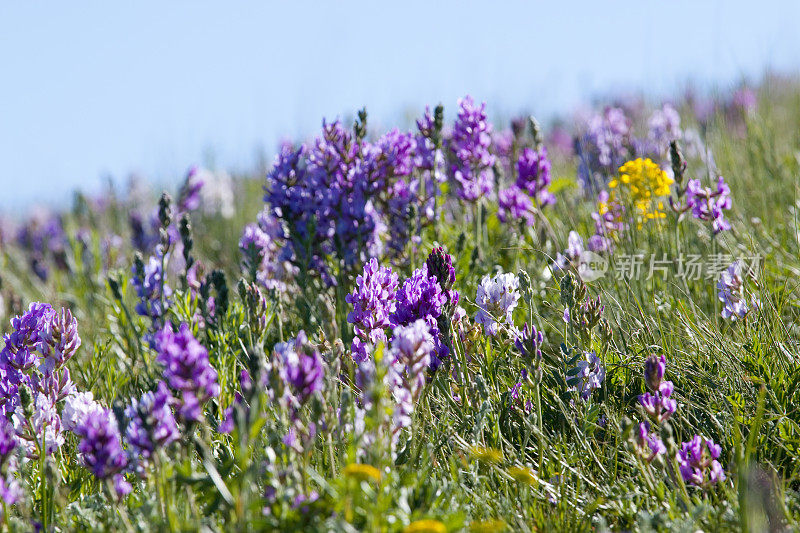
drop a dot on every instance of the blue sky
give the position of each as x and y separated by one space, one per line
103 88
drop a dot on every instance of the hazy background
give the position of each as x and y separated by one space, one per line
91 89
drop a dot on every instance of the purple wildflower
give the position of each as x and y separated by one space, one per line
187 369
658 405
604 146
590 375
76 407
101 446
471 139
189 195
497 297
8 440
745 99
373 301
59 340
698 462
302 368
151 289
709 205
732 294
649 445
421 296
151 424
533 175
664 126
411 352
515 205
269 259
10 490
101 449
654 368
18 354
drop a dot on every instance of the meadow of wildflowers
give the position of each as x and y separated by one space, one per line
465 326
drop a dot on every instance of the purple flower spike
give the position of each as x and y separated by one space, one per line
470 144
515 206
151 424
411 352
533 175
101 447
649 445
302 368
373 301
659 406
187 369
654 368
709 205
59 340
419 297
697 460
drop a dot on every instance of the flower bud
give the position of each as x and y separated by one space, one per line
654 368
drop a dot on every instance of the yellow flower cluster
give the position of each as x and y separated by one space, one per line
362 472
643 182
425 526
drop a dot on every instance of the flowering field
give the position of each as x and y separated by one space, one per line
470 325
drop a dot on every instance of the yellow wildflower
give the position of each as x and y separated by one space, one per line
362 472
486 455
487 526
425 526
642 181
523 474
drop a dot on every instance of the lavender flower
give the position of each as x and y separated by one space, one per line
187 370
8 441
664 126
572 255
76 408
411 352
421 296
326 197
39 420
497 297
151 289
745 99
189 196
709 205
697 460
101 449
265 253
10 490
472 169
59 340
604 146
648 445
515 205
302 369
589 376
658 405
533 175
654 368
151 424
18 354
732 295
373 301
